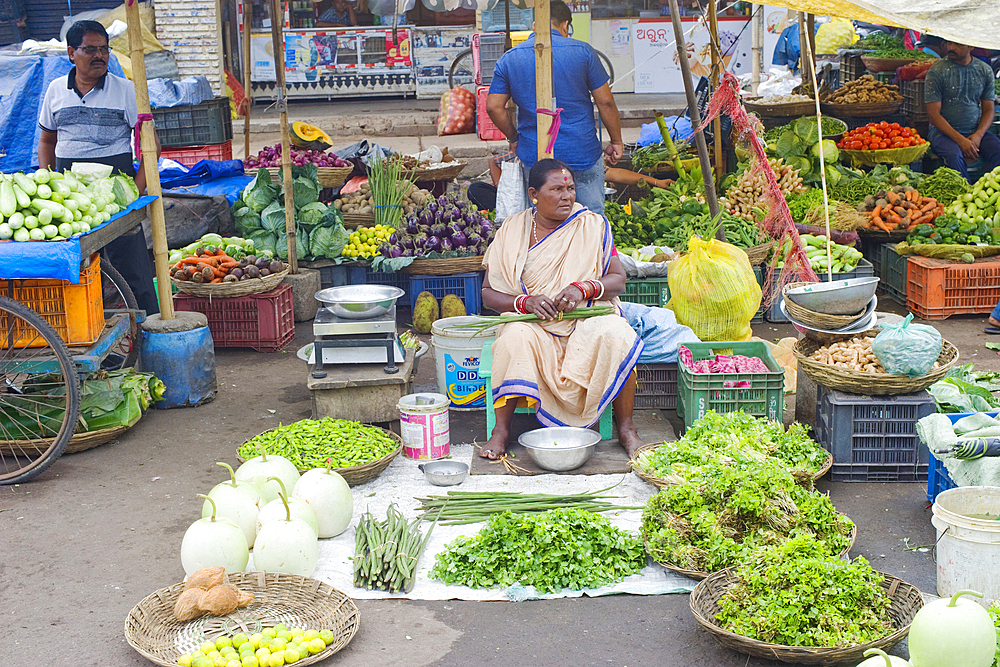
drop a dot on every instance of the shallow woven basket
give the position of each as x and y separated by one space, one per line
445 266
700 575
440 174
359 219
80 442
887 64
786 109
359 474
296 601
758 253
229 290
329 177
861 110
660 482
705 602
814 319
869 384
904 155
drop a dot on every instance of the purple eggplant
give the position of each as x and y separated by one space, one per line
472 238
432 244
396 251
439 229
412 226
443 200
432 208
419 240
407 242
459 240
486 226
447 245
453 229
395 237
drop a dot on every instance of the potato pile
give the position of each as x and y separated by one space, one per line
360 201
745 196
864 90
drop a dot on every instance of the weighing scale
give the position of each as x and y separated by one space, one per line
333 332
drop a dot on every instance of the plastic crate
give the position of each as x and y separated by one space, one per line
75 311
194 124
851 66
937 479
656 386
486 51
913 99
865 269
11 10
701 392
892 273
10 33
191 155
884 77
264 322
937 288
466 286
363 275
333 276
495 20
646 291
485 128
873 438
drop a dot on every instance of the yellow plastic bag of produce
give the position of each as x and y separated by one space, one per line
713 290
837 33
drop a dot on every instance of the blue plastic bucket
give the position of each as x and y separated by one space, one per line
185 362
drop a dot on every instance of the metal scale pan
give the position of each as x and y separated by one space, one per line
356 316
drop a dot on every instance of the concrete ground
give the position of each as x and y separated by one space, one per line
100 530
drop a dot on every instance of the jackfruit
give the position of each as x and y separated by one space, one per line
452 306
425 312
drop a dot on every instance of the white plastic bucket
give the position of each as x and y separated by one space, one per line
423 425
968 543
456 355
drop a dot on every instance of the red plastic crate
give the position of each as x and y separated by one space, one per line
191 155
262 321
485 128
938 288
486 51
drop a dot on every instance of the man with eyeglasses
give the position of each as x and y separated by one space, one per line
88 116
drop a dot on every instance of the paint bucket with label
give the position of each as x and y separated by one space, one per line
456 354
423 425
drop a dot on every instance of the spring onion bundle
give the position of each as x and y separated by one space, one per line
388 187
484 322
463 507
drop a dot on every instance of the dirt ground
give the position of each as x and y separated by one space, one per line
100 530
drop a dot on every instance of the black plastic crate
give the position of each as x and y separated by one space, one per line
10 33
851 66
194 124
873 438
334 276
892 273
656 386
913 100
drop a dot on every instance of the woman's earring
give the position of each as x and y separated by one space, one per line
534 201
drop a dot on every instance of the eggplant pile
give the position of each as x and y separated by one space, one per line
446 224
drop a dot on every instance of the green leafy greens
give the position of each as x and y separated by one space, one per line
965 390
562 548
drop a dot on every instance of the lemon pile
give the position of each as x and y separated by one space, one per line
365 241
271 647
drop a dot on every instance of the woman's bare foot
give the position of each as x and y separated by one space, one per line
629 438
496 446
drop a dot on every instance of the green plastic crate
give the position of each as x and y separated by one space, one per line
647 291
763 396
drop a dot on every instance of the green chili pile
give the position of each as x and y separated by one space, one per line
945 185
309 443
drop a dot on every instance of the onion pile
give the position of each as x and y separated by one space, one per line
446 224
270 156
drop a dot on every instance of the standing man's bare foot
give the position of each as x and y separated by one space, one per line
496 446
992 326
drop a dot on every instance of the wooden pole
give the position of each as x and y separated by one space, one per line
544 97
805 64
147 140
247 9
713 29
277 21
699 137
757 48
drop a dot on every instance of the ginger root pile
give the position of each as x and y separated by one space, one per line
207 591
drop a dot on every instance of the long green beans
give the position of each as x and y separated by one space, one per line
387 553
309 443
464 507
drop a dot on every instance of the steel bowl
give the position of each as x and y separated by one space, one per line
840 297
560 448
445 473
359 302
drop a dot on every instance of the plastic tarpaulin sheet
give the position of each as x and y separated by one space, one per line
23 82
228 186
202 172
45 260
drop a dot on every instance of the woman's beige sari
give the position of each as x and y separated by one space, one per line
569 370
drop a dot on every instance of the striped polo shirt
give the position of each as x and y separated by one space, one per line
95 125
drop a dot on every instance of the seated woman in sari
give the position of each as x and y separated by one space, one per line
548 260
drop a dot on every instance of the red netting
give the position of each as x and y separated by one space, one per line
777 223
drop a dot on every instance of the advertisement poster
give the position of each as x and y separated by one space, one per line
655 56
312 55
434 49
620 38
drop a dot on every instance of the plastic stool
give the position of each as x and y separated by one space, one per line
605 425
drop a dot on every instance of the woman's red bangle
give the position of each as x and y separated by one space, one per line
519 303
582 288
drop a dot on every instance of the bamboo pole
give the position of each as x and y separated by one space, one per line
822 161
757 49
699 137
147 140
277 20
713 29
544 97
247 9
805 64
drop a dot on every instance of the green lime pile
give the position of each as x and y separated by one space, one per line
271 647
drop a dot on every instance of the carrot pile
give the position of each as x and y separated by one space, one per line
211 267
900 207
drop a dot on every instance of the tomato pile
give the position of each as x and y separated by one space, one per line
875 136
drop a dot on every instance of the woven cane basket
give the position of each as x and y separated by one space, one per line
758 253
228 290
446 266
705 603
815 319
296 601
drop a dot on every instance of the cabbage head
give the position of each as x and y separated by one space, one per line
247 222
301 245
328 242
831 154
305 190
264 241
272 218
259 192
312 214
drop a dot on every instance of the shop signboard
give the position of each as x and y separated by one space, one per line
314 54
434 50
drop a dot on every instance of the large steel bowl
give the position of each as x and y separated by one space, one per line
359 302
840 297
560 448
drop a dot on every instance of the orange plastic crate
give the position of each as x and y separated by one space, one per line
76 312
938 288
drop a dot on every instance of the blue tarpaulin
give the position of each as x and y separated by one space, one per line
230 186
23 82
59 260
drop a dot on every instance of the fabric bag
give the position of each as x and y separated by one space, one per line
713 290
511 193
907 349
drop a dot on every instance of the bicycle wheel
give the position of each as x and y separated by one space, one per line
118 296
463 71
607 65
39 393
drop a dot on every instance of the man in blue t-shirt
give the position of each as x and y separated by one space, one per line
959 94
577 75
